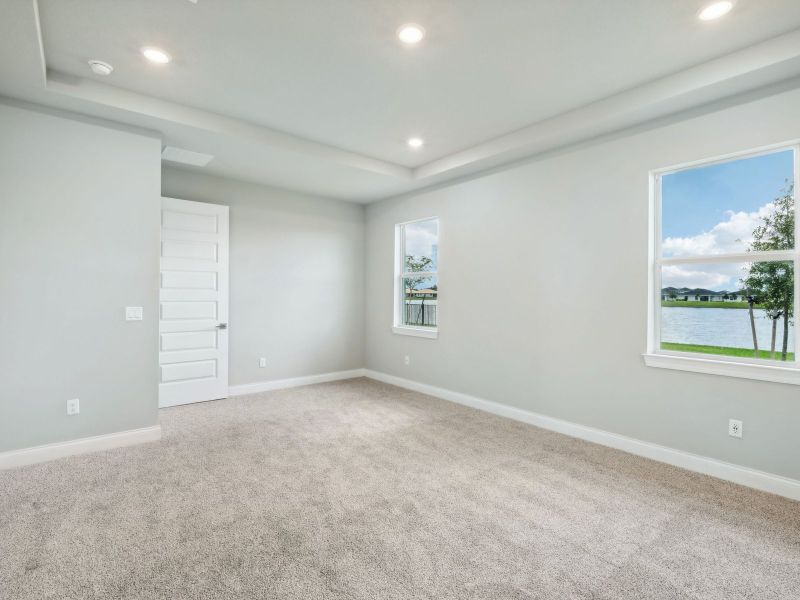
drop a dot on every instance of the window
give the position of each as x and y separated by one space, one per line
416 287
724 293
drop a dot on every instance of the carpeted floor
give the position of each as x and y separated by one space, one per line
362 490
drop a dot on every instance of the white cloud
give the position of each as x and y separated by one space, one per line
421 237
735 234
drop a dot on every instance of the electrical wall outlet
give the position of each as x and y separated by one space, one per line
735 428
73 406
262 362
407 359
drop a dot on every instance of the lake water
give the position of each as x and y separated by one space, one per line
719 327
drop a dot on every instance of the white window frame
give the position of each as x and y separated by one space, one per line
400 274
732 366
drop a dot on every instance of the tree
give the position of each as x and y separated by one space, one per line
751 300
773 282
773 315
416 264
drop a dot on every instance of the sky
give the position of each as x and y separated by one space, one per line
422 239
714 210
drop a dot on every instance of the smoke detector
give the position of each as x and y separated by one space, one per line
99 67
186 157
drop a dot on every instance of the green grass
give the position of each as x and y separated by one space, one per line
698 304
722 350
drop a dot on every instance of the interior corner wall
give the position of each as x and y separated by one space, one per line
79 235
544 282
296 277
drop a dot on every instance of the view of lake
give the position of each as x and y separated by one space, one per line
719 327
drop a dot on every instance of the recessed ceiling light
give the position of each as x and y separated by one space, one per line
415 142
410 33
715 10
100 68
155 55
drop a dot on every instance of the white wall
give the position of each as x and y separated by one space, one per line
79 230
79 239
296 277
549 240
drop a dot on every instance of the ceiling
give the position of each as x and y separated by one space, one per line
320 96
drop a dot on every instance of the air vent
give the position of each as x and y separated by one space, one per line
186 157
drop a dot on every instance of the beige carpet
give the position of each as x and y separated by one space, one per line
362 490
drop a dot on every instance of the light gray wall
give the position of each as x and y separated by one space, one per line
296 277
544 294
79 232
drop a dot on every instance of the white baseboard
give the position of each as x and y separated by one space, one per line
280 384
37 454
768 482
760 480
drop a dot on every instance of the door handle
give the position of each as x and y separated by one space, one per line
222 326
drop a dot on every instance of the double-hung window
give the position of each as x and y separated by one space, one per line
724 295
416 280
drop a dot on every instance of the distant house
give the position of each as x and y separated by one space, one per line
700 295
426 293
680 295
715 297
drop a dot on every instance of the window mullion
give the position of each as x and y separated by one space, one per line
763 256
796 307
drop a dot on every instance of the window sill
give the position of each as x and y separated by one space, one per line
417 331
743 370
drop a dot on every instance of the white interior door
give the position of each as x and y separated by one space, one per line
193 307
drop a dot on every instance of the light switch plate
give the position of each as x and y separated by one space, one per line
134 313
